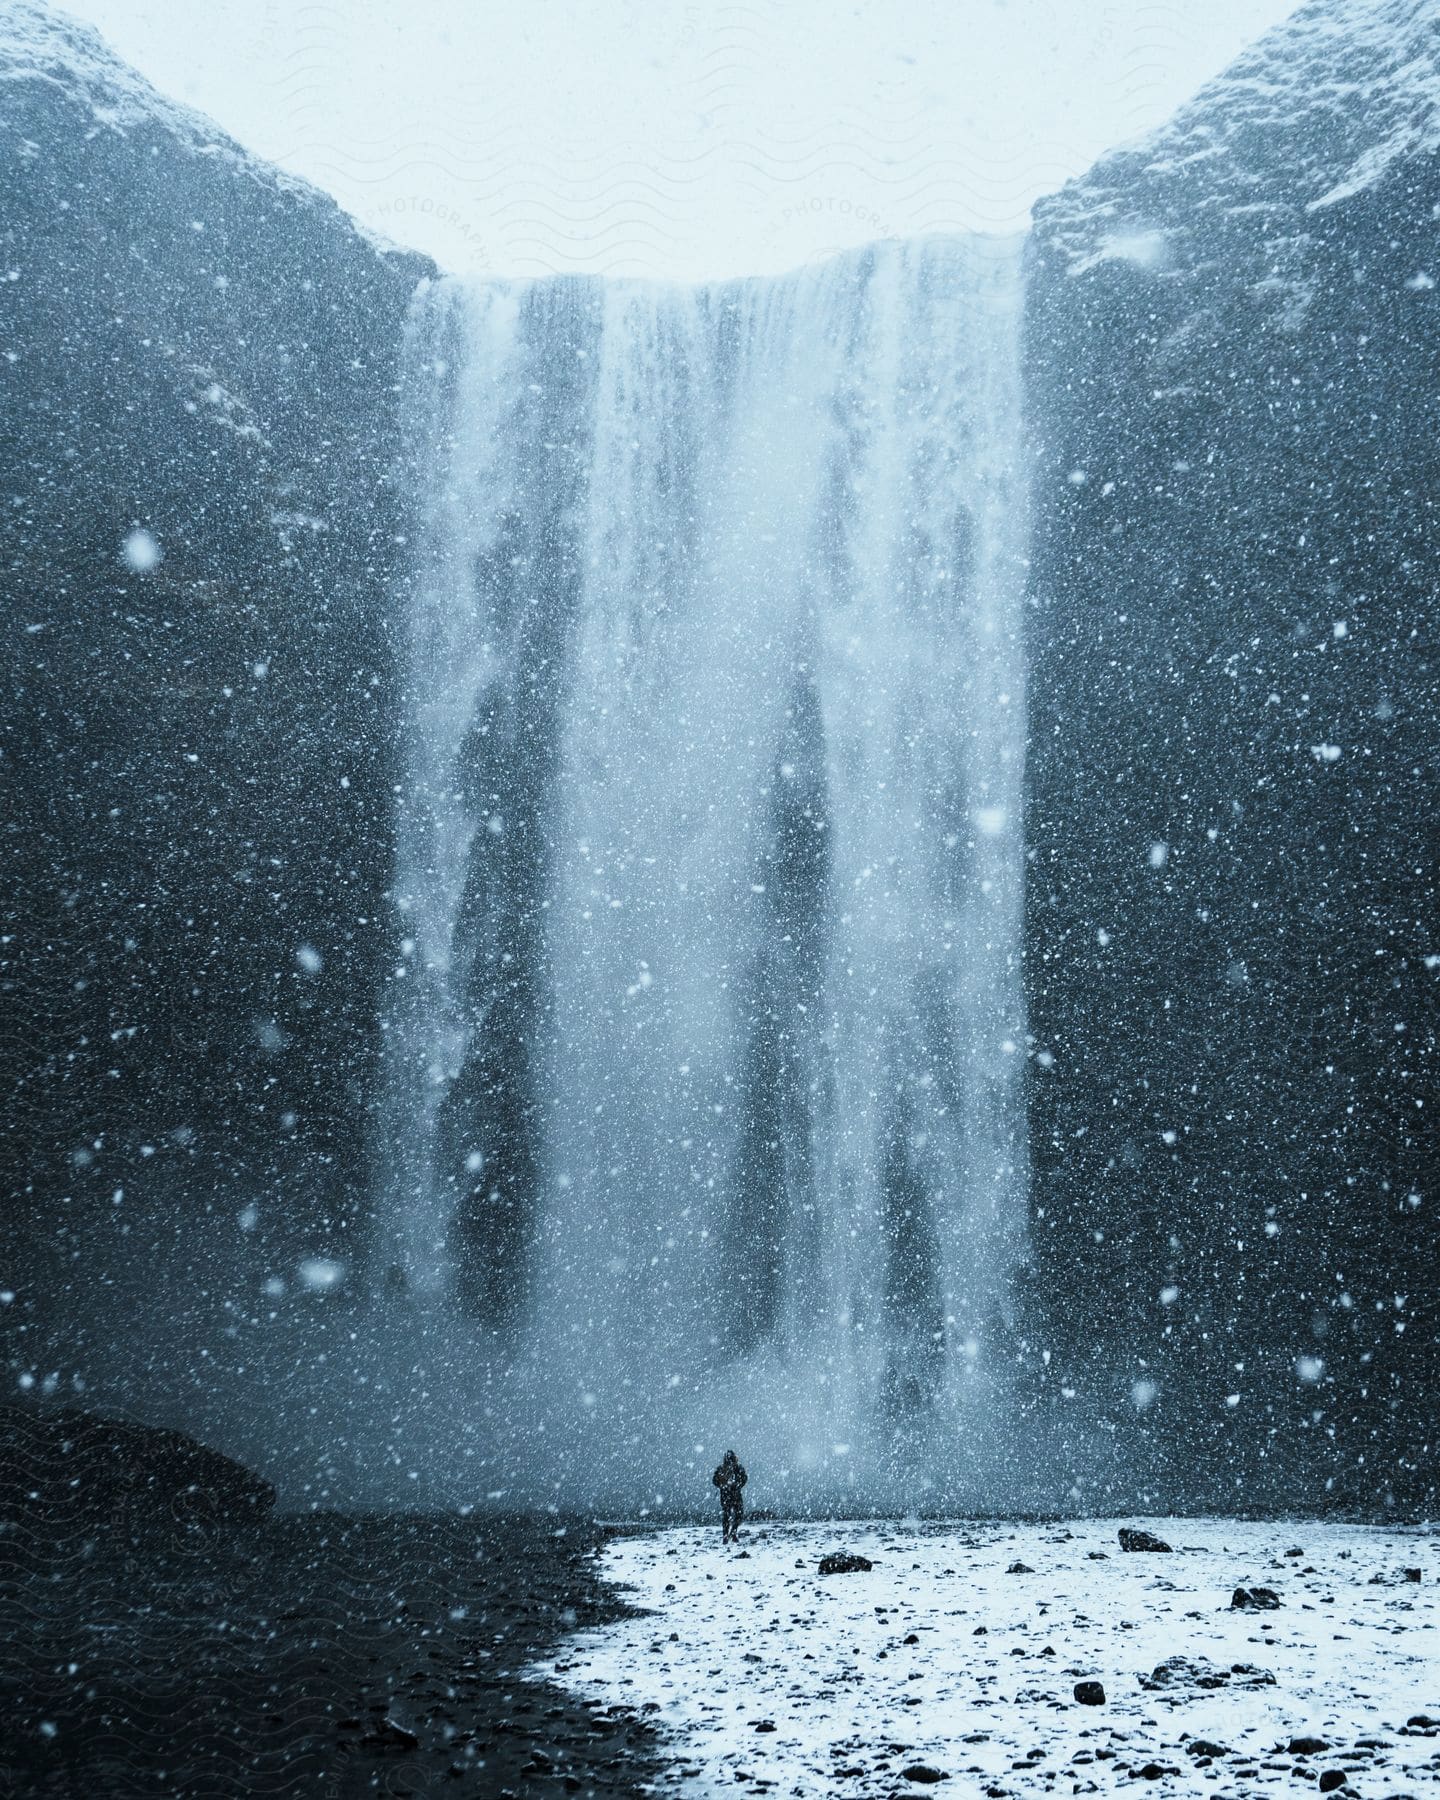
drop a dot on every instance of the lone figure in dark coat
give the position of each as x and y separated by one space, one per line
730 1477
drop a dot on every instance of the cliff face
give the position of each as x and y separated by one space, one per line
1231 970
1232 356
199 370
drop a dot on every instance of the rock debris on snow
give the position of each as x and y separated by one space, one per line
932 1659
1131 1539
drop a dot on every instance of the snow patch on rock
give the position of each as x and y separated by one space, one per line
1319 110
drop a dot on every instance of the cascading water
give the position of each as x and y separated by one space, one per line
705 1052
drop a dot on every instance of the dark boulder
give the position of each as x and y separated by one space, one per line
1090 1693
1258 1599
1178 1673
1132 1539
69 1472
924 1773
844 1562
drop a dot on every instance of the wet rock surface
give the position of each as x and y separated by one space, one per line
317 1655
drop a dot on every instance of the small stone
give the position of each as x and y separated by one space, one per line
1413 1574
389 1736
1204 1747
762 1724
1332 1779
1098 1555
912 1639
844 1562
1306 1746
1019 1568
1151 1772
1258 1599
1090 1693
923 1772
1131 1539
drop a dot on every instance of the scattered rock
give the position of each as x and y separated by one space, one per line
844 1562
1131 1539
762 1724
1019 1568
1260 1599
1295 1552
1194 1672
1413 1574
1306 1746
923 1772
1098 1555
1090 1693
1204 1747
387 1735
1332 1779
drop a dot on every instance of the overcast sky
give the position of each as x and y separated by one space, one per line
679 137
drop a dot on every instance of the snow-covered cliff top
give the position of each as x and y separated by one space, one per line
1318 110
40 44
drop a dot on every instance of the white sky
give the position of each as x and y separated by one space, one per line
681 138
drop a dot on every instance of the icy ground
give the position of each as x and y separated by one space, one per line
762 1674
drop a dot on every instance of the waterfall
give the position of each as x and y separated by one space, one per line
706 1042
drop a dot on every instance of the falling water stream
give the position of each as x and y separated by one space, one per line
706 1038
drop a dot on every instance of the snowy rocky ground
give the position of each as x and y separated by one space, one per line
957 1656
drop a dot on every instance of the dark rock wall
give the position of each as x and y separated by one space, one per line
196 758
1231 924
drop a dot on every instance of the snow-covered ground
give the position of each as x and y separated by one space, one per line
760 1672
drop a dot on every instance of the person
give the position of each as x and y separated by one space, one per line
730 1477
